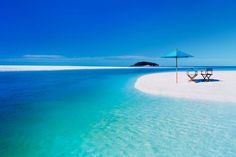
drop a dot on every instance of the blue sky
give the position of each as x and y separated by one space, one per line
117 32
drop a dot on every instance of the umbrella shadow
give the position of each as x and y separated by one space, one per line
202 80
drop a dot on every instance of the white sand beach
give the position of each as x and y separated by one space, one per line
5 68
221 88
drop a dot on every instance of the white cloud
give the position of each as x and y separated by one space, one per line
64 58
59 59
39 57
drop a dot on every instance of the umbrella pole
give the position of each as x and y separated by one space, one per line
176 70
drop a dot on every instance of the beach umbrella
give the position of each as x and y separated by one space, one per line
177 54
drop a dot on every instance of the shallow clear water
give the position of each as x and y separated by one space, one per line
99 113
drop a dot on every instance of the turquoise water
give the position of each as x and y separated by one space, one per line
100 113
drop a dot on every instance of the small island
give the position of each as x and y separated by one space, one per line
144 63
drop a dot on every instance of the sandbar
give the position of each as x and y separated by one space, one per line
221 87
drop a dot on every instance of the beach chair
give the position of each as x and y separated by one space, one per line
192 73
206 74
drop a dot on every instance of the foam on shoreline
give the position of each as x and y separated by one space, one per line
220 88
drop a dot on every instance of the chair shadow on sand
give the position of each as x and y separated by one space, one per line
202 80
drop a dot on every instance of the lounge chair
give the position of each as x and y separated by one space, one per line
192 75
206 74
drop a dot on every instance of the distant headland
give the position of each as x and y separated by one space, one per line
144 63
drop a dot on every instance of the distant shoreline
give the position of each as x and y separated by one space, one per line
9 68
12 68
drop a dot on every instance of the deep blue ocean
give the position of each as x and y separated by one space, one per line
99 113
